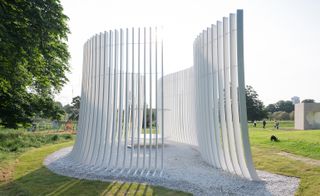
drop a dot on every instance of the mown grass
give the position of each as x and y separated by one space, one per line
304 143
269 160
284 125
14 142
31 178
153 131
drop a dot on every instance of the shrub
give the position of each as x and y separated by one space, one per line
292 115
18 141
55 138
67 137
280 115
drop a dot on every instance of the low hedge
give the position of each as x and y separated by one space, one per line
19 141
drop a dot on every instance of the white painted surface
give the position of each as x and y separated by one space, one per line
203 106
307 116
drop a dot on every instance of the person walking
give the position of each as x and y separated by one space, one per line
277 125
264 123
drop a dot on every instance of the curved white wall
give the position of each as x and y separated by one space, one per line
179 107
203 106
119 87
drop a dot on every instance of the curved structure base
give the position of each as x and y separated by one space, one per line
185 170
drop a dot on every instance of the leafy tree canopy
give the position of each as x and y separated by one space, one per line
255 107
33 59
308 101
73 110
280 115
285 106
281 106
271 108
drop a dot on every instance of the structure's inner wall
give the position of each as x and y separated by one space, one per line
179 107
120 102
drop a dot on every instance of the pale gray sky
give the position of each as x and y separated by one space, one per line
281 38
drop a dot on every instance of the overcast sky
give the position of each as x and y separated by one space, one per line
281 38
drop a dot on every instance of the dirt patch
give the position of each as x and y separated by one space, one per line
6 172
300 158
63 132
55 132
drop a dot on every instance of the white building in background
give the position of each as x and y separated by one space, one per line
307 116
295 100
203 106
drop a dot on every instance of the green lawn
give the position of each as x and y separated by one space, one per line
153 131
30 177
303 143
270 125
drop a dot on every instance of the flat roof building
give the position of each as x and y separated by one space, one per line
307 116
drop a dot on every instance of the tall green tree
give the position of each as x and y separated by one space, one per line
33 58
271 108
255 107
74 109
285 106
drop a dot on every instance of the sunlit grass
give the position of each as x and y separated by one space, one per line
30 177
303 143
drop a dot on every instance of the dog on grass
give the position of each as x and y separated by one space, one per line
274 139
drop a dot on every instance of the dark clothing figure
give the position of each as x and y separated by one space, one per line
277 125
264 123
254 123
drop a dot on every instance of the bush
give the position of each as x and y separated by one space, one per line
291 115
55 138
67 136
280 116
18 141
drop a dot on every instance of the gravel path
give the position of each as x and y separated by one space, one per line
185 171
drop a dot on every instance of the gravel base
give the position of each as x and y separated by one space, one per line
184 170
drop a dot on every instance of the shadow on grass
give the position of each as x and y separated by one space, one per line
43 182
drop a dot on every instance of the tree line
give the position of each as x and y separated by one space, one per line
281 110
